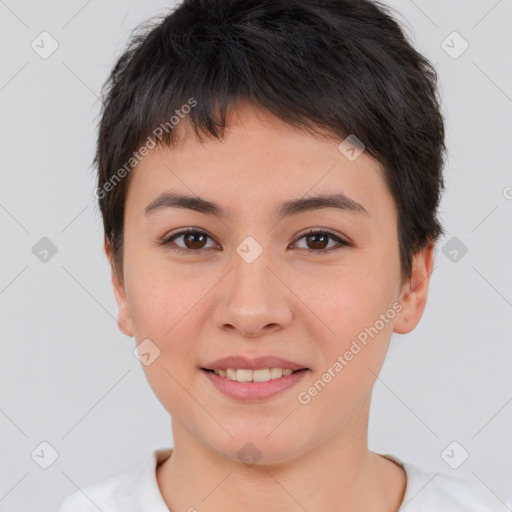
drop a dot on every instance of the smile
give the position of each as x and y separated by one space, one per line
248 375
248 385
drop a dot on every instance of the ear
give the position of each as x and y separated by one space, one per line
413 295
124 319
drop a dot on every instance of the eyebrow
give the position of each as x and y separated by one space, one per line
291 207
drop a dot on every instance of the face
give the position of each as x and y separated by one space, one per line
252 281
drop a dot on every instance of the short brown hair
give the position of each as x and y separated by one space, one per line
344 66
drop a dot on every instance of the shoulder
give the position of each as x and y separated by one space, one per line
130 490
466 495
106 495
430 490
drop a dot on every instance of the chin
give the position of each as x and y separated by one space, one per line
254 449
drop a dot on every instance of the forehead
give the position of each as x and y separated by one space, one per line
261 161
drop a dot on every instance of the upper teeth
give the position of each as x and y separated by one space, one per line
247 375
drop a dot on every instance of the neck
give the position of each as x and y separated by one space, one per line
339 474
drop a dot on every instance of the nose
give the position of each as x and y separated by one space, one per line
253 298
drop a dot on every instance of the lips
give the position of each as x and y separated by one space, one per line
254 380
243 362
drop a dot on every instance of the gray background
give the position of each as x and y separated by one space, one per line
69 377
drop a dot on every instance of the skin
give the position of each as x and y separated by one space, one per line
289 302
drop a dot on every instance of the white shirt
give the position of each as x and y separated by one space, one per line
136 490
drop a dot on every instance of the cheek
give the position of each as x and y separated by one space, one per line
358 314
169 384
159 296
169 319
349 300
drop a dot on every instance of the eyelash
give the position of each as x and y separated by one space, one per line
169 240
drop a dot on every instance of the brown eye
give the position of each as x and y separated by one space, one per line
193 240
318 241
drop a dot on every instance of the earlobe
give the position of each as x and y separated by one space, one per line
124 319
414 293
